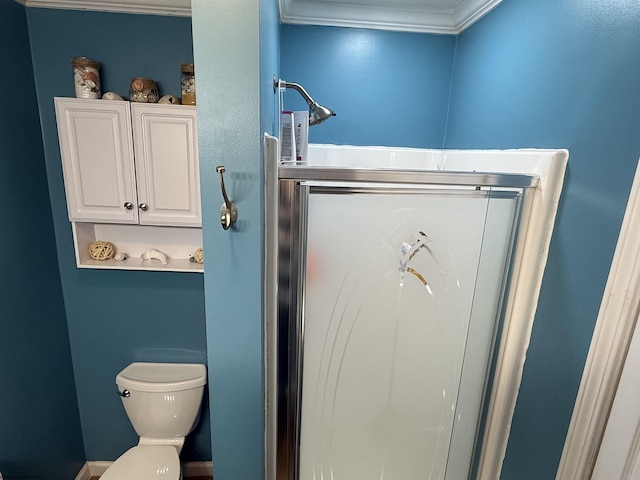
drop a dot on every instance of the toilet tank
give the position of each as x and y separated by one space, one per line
162 400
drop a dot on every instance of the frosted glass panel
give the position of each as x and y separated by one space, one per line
389 290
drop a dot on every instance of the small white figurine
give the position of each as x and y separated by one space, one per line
169 100
152 254
111 96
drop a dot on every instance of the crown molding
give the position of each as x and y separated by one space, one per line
178 8
471 11
429 18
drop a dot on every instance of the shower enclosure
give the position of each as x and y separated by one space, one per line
390 298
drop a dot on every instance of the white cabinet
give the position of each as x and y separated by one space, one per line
131 164
97 160
166 158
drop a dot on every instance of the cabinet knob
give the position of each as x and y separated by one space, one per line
143 206
128 205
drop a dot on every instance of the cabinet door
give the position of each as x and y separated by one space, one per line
97 160
167 171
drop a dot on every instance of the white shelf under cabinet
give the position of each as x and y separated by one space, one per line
178 243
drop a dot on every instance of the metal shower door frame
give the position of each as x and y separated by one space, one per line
294 186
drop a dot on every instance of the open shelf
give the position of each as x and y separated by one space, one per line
178 243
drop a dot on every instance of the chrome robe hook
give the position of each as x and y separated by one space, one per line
228 211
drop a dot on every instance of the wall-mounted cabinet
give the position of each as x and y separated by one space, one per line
134 164
129 163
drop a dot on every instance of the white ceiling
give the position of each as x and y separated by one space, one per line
429 16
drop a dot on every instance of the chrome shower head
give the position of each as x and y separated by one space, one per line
317 113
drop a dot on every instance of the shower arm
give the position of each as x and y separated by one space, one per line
317 113
300 89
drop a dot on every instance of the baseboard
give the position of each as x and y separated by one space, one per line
83 474
92 469
189 469
197 469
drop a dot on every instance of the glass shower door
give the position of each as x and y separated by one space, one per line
398 295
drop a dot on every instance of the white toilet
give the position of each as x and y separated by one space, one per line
162 401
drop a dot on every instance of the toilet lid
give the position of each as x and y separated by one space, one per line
157 462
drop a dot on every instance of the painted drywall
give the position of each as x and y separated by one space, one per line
236 51
38 404
269 65
557 74
116 317
387 88
569 66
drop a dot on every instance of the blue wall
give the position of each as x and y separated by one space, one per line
236 53
532 73
544 73
116 317
269 65
387 88
40 435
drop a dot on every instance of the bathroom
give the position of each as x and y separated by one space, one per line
530 74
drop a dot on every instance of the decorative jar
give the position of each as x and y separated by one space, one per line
143 90
86 77
188 84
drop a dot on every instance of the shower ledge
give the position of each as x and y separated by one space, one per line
528 161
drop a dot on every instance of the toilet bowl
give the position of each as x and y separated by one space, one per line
145 463
162 401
